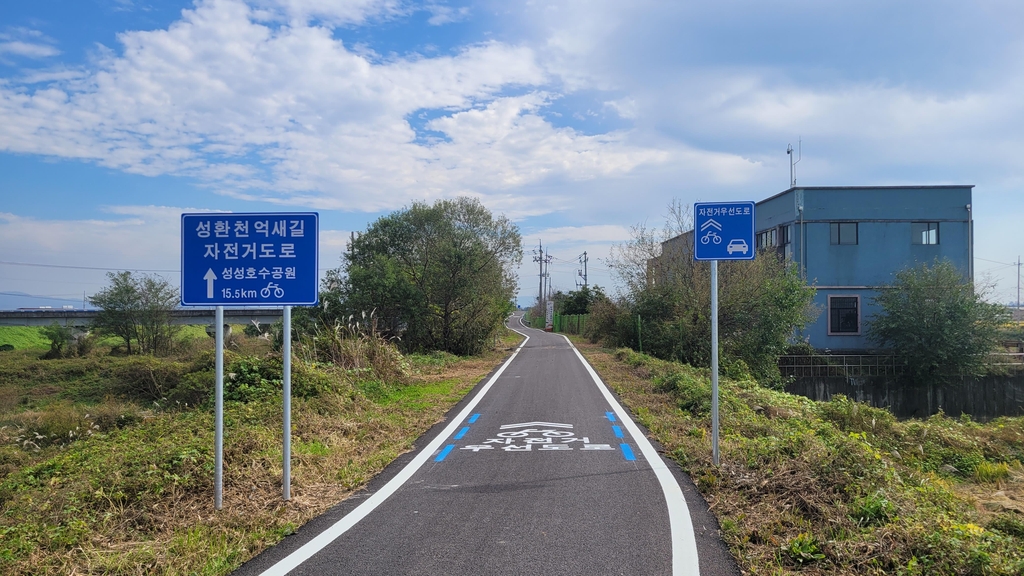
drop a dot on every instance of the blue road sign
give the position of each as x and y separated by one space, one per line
262 259
723 231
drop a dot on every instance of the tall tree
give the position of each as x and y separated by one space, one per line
137 309
934 317
579 301
441 276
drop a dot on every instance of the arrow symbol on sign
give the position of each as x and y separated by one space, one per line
210 276
710 224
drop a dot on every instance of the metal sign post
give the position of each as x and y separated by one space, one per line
714 362
721 231
286 448
218 412
251 259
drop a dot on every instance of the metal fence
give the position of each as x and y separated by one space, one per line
859 365
844 365
563 323
570 323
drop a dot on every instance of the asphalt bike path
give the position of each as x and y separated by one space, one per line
538 470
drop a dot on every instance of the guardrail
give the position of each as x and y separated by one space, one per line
83 318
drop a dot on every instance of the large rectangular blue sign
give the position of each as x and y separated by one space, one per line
723 231
262 259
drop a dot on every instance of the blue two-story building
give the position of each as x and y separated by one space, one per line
849 241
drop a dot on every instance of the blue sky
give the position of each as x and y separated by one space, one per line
575 119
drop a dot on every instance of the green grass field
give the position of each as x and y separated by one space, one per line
23 338
106 460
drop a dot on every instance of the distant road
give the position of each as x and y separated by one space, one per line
538 471
84 318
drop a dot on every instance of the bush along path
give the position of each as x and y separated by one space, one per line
106 463
835 487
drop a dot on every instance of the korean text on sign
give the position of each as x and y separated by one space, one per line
249 259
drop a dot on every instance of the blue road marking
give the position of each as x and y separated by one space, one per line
610 416
447 449
618 431
461 433
473 418
627 452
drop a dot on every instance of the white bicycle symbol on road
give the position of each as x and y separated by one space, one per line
711 236
278 291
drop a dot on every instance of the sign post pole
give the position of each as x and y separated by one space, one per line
250 259
714 361
721 231
218 435
286 350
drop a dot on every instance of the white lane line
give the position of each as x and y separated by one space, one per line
307 550
684 542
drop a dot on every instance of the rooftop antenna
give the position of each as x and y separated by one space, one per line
792 162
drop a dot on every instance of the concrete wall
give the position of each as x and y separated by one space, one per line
983 398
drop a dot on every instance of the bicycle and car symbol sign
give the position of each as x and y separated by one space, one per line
251 259
723 231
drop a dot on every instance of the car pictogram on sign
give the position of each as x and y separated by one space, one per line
737 245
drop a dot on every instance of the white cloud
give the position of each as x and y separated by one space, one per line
624 107
441 14
327 126
28 49
334 12
583 234
18 41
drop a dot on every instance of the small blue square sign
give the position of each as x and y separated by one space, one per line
254 259
723 231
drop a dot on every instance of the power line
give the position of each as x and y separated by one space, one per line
84 267
996 261
65 267
1003 267
49 296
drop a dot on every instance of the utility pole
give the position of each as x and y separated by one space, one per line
543 286
547 275
539 257
583 273
585 268
1018 282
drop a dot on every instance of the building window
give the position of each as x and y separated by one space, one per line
843 233
924 232
844 315
786 240
767 239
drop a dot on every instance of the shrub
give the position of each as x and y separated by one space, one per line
873 509
146 378
358 345
194 389
935 318
804 548
252 378
59 337
989 472
1012 524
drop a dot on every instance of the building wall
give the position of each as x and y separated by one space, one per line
884 243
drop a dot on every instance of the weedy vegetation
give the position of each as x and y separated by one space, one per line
834 487
106 460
